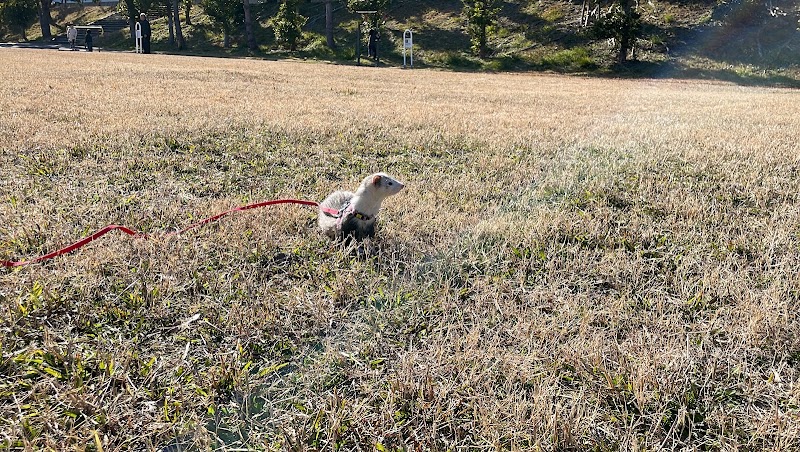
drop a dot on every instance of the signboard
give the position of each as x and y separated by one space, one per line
138 39
408 44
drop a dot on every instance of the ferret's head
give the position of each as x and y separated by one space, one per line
381 185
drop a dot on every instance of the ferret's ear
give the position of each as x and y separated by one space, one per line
376 179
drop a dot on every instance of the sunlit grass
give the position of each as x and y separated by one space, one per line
576 263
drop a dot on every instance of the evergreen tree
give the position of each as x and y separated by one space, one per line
288 24
622 23
480 15
368 5
18 15
227 14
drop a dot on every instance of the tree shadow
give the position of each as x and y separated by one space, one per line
681 71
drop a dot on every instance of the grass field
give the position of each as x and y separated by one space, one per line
576 263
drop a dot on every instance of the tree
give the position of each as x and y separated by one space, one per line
622 23
379 6
288 24
764 29
227 14
44 19
480 14
18 15
133 16
248 26
134 8
176 13
368 5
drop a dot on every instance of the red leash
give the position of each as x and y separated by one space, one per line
133 233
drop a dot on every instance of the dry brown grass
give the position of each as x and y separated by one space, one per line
576 263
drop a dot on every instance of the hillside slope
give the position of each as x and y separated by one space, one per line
737 40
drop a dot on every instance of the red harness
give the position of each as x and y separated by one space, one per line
134 233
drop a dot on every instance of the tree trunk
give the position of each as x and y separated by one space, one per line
226 39
170 26
624 46
133 16
329 24
178 33
625 41
482 50
44 19
248 26
188 9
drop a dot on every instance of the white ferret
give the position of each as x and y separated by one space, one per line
345 214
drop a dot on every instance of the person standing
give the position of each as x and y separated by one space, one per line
372 44
88 40
145 27
72 36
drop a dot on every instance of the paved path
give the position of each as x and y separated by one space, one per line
43 46
29 45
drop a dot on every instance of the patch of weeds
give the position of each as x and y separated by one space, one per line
42 164
624 406
505 63
223 381
454 60
553 13
570 60
685 418
699 305
568 375
384 301
41 302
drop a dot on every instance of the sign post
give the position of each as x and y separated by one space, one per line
138 38
408 44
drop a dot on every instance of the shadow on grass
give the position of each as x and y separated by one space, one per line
677 70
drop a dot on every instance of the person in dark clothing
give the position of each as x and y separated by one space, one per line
372 47
88 40
145 24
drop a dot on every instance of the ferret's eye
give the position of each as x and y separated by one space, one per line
390 184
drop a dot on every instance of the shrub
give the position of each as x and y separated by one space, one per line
288 24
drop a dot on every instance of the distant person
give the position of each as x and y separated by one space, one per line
372 47
72 36
88 40
145 27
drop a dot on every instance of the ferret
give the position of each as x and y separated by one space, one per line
345 214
